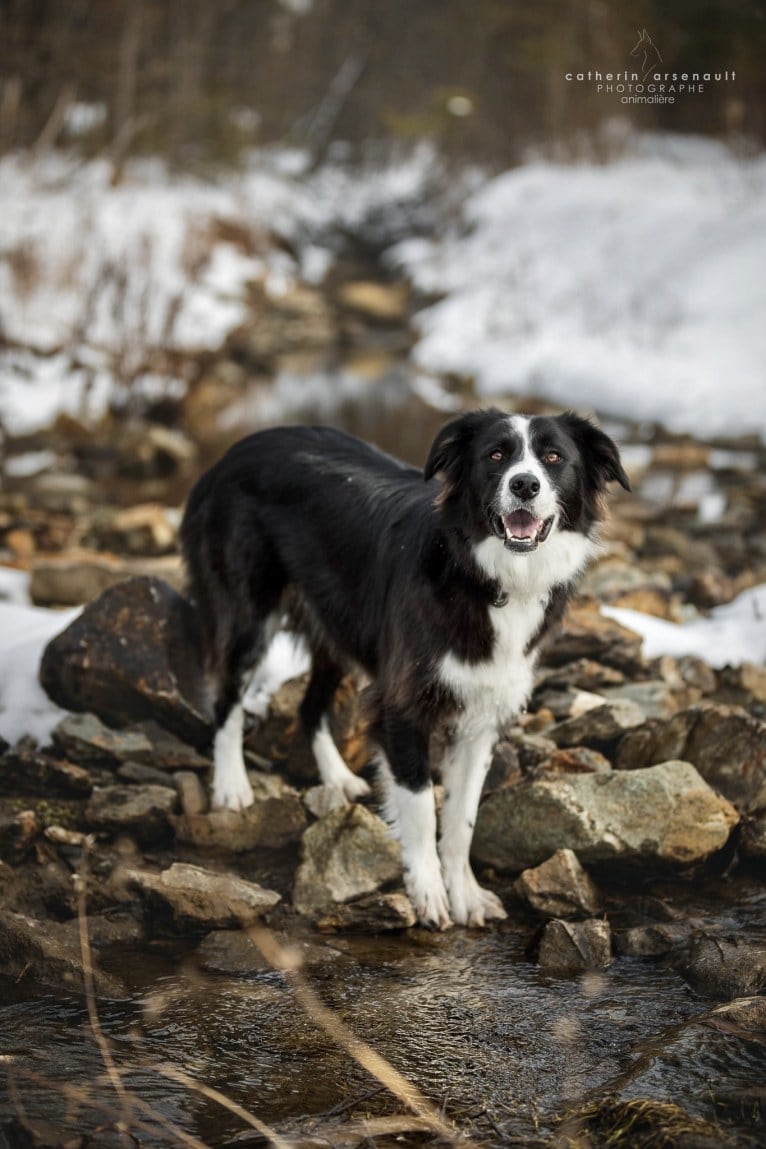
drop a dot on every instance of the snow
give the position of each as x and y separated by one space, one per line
635 288
25 708
731 634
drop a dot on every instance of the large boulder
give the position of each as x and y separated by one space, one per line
131 655
725 743
664 814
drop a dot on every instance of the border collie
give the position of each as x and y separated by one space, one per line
439 584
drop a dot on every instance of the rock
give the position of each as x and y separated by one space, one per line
348 853
743 685
46 952
655 698
18 834
575 760
87 740
25 770
753 840
652 941
665 814
143 529
505 767
140 810
187 896
376 302
275 819
581 674
298 319
586 634
533 750
371 914
600 727
141 775
77 577
230 952
322 800
724 967
559 888
130 656
191 793
727 746
576 945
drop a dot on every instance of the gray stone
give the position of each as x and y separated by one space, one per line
600 727
652 941
141 775
87 740
72 579
140 810
348 853
586 634
724 967
727 746
559 887
230 952
275 819
654 698
47 953
753 840
25 770
187 896
666 813
132 655
576 945
322 800
371 914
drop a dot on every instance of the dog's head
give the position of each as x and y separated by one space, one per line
521 478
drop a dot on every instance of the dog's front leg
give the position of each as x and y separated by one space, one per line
464 771
410 809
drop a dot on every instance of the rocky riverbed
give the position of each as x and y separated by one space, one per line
624 825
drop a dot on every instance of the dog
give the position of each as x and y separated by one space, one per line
440 584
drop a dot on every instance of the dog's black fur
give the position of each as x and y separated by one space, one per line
387 567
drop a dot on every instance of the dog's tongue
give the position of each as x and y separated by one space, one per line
521 525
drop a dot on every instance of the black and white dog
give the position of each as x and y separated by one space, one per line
439 584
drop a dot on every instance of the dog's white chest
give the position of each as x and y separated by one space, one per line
494 690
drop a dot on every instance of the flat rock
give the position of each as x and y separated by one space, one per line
586 634
600 727
143 811
371 914
25 770
89 741
724 967
559 887
348 853
276 818
576 945
726 744
72 579
664 814
187 896
130 656
655 698
47 953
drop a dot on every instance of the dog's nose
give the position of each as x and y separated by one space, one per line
525 486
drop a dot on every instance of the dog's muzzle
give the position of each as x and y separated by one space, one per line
521 531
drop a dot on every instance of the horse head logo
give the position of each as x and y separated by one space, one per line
649 51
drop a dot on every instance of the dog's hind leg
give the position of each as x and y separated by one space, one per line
231 786
410 809
464 770
314 709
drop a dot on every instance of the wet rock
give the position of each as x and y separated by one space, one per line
85 739
753 840
348 853
727 746
187 896
231 952
25 770
131 656
18 834
191 793
600 727
576 945
371 914
665 814
586 634
140 810
559 888
652 941
74 578
724 967
47 953
276 818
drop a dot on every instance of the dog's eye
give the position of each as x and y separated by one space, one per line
496 456
552 457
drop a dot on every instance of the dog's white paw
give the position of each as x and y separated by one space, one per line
470 904
232 794
353 787
429 900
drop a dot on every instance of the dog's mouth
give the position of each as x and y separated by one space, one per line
522 532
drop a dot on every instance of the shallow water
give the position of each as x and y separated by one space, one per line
466 1016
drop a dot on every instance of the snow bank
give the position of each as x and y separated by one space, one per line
635 288
25 708
730 635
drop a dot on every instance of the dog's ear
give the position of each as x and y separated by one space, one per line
449 450
601 455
